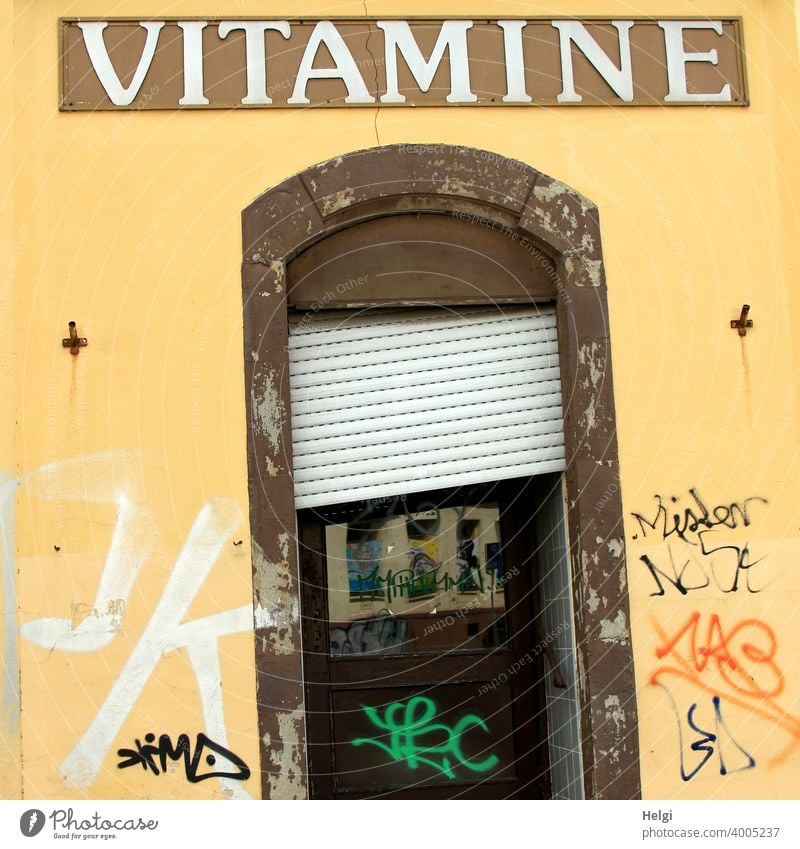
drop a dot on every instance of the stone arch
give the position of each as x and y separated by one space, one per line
502 194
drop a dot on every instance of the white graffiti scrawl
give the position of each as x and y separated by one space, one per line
165 631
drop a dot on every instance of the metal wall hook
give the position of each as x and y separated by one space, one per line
743 322
74 342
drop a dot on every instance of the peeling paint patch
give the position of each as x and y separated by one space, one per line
593 268
276 604
550 192
590 416
546 220
271 467
457 187
555 189
277 617
107 621
615 547
339 200
269 412
588 355
615 713
586 558
284 756
614 631
593 602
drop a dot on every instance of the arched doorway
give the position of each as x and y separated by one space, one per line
544 238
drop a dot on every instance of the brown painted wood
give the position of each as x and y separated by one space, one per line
314 604
421 258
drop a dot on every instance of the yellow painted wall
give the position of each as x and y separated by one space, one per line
131 456
10 245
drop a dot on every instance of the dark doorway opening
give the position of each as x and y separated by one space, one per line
422 615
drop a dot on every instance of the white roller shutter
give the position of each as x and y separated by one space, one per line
401 401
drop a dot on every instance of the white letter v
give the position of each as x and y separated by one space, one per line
98 54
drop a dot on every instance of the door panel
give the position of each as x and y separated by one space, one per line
419 617
416 736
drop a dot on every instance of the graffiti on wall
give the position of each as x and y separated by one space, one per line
727 665
206 751
415 737
376 635
720 674
704 744
694 554
109 479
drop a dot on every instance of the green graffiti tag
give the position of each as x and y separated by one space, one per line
412 583
409 722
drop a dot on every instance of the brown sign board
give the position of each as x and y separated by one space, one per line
256 63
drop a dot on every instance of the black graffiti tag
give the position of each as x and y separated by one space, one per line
689 523
706 743
691 575
145 754
695 525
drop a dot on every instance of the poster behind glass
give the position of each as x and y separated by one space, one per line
402 581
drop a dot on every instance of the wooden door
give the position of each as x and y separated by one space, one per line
419 632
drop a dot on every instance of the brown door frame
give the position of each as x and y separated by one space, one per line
542 216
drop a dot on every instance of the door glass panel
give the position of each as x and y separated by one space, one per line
421 578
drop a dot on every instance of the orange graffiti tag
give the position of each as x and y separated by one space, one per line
743 658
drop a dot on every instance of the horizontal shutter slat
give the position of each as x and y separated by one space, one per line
520 357
374 403
418 449
344 435
342 491
390 349
375 323
332 421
